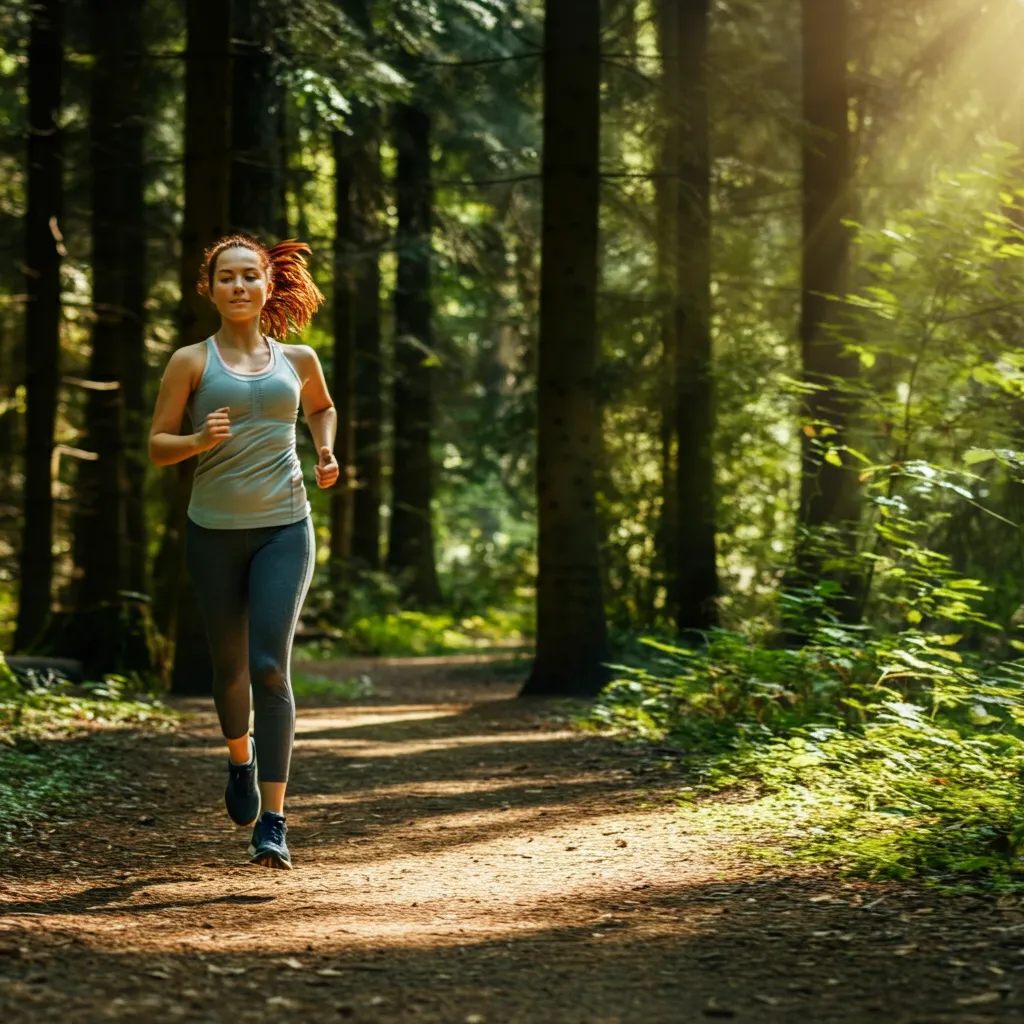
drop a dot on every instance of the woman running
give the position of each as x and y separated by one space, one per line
250 548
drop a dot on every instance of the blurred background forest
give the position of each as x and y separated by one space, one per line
693 321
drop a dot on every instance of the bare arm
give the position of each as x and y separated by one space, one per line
320 414
167 445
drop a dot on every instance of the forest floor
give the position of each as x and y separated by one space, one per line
462 857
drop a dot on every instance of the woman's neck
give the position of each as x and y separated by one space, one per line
244 336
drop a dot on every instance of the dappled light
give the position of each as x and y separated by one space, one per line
512 511
474 878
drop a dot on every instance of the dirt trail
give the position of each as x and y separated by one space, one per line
459 858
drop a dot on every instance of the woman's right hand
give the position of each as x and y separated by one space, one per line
216 428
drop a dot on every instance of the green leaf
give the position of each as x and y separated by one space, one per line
804 761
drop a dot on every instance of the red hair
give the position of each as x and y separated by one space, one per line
295 296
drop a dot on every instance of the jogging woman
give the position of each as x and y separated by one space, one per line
250 548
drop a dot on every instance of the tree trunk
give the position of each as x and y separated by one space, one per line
411 542
133 324
43 251
572 642
256 123
666 193
101 522
344 365
828 493
10 374
368 400
207 166
696 574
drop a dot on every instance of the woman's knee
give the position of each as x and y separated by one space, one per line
268 674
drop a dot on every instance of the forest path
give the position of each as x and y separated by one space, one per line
461 858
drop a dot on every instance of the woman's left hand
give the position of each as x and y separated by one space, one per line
327 471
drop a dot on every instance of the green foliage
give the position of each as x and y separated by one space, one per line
873 781
411 633
9 688
318 688
891 749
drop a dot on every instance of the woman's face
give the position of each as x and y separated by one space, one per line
240 286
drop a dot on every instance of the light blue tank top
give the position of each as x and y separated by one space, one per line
254 477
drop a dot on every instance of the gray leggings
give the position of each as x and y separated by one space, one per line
250 585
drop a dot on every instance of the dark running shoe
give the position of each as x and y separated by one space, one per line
242 795
268 847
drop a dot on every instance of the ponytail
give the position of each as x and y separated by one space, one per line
294 297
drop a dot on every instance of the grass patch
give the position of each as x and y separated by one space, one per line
51 754
312 687
417 634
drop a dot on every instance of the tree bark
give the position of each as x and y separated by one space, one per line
10 375
343 365
411 541
666 197
828 493
43 251
696 573
366 525
256 123
102 535
572 643
135 370
208 79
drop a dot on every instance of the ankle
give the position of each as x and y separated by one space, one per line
240 751
272 796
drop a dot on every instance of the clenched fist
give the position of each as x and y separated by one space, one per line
327 470
217 428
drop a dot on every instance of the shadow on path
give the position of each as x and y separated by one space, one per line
463 860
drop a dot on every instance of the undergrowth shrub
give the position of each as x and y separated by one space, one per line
893 749
404 633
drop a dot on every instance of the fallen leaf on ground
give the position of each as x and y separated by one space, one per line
980 999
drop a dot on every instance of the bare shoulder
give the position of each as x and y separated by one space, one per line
188 361
303 358
300 354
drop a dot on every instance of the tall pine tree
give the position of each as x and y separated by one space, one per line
103 539
829 500
696 575
411 539
43 250
572 645
208 75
